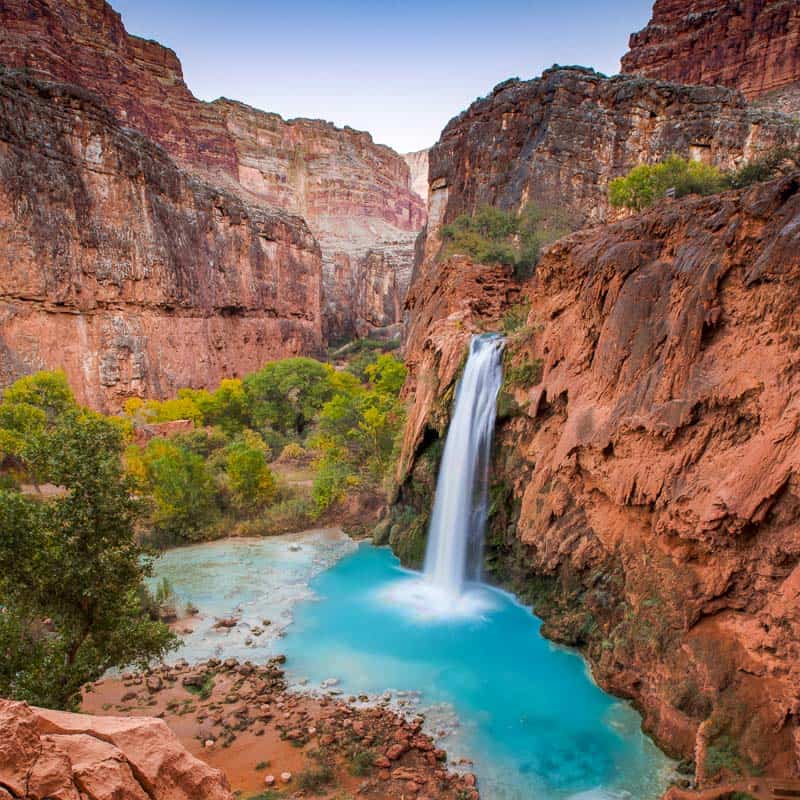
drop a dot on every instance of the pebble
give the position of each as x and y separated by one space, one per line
269 780
286 777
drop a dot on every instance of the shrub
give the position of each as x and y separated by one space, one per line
765 168
361 762
315 778
648 183
525 375
515 239
293 452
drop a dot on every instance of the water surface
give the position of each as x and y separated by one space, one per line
525 710
531 717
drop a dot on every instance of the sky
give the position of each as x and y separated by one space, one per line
399 70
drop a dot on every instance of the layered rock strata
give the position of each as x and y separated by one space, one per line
125 271
646 477
557 141
355 195
753 46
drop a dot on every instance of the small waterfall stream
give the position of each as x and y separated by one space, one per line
455 538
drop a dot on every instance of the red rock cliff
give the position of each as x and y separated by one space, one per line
558 140
753 46
647 469
134 277
354 194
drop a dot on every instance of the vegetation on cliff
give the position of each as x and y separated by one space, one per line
515 239
646 184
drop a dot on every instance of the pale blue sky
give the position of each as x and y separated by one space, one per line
398 70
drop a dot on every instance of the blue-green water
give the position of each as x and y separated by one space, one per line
527 712
532 719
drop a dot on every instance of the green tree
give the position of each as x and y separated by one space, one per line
72 578
387 375
182 488
47 391
288 394
250 479
226 407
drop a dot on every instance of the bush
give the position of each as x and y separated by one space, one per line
648 183
765 168
515 239
315 778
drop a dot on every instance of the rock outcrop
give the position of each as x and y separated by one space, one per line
558 140
125 271
418 165
646 478
753 46
54 754
355 195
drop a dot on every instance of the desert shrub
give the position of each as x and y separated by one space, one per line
315 778
648 183
769 166
515 239
360 762
293 452
525 375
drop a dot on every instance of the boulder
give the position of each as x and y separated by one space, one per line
80 757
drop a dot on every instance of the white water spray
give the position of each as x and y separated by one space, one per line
455 537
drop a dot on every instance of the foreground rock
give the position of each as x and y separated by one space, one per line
53 754
241 718
647 472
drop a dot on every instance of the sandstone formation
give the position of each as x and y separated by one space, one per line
123 270
354 195
418 165
54 754
558 140
646 477
753 46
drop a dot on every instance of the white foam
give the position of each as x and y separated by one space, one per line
424 600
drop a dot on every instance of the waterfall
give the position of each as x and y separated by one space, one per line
455 538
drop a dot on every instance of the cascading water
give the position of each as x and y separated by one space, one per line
455 538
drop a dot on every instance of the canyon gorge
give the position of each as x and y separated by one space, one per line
334 263
644 496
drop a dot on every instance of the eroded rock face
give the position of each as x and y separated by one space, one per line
49 754
558 140
355 195
418 164
753 46
647 468
119 267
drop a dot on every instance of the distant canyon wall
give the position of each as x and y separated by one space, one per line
750 45
132 275
350 195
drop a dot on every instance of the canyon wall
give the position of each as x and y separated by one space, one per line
418 165
753 46
557 141
646 473
130 274
354 195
